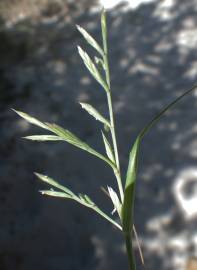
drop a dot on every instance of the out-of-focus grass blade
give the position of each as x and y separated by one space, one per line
108 148
92 111
128 204
54 183
92 68
42 138
90 40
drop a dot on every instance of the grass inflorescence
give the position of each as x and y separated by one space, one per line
123 201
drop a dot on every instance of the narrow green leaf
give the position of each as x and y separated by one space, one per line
90 39
43 138
128 203
53 183
92 68
162 112
129 194
108 148
92 111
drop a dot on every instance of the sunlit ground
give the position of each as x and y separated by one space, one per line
185 194
132 3
171 229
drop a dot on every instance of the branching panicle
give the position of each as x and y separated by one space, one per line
123 201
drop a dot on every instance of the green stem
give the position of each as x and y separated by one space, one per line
130 253
111 115
113 134
112 128
100 212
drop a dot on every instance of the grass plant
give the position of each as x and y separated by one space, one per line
123 201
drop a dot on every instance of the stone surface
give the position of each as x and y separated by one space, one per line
153 59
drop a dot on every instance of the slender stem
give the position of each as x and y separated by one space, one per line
109 101
95 153
113 134
99 211
130 252
119 182
110 106
127 234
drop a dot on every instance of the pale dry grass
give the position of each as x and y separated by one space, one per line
192 264
16 10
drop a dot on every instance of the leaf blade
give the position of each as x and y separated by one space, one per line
128 203
164 110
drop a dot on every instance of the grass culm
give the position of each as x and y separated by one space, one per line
123 200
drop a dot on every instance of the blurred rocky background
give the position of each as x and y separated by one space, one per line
153 58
